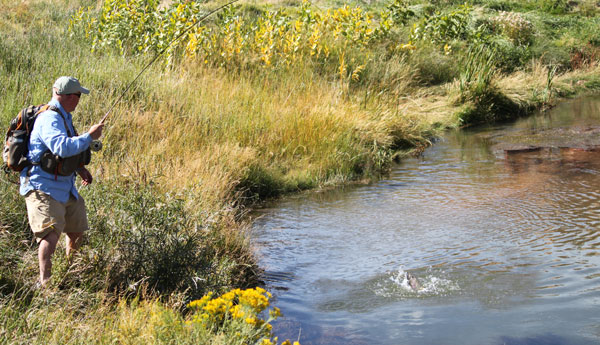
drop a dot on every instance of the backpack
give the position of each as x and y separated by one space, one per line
16 145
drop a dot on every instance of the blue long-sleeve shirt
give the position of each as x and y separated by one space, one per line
49 132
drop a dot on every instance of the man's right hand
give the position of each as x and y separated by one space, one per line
96 131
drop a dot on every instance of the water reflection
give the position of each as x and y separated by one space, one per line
505 244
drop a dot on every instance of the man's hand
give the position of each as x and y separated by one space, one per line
96 131
86 176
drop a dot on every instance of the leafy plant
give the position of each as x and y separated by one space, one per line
440 28
271 39
143 240
399 11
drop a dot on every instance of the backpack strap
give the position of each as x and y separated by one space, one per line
56 110
59 163
66 125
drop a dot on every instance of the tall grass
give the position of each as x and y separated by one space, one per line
192 145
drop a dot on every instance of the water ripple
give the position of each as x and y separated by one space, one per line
498 245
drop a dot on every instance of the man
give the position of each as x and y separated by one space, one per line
53 203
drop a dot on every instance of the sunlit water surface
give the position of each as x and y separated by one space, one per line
506 250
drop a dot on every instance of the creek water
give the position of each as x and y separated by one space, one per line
507 251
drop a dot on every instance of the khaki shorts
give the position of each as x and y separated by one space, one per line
46 214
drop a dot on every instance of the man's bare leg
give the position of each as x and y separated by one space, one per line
45 251
73 242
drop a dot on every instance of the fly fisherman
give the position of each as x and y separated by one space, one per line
53 203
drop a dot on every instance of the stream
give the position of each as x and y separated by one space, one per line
505 246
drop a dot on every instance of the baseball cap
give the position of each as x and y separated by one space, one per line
67 85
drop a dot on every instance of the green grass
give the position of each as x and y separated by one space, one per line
193 145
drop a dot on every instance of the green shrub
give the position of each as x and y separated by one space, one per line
399 11
490 107
551 54
443 27
141 239
515 27
510 57
235 39
500 5
259 184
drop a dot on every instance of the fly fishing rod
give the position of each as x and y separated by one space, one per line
156 58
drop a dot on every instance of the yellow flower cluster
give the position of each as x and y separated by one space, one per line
242 306
237 304
287 342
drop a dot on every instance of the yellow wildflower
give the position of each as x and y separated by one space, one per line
275 313
407 46
447 49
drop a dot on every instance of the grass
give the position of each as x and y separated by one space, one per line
192 146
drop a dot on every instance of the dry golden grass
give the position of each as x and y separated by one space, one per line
205 129
520 85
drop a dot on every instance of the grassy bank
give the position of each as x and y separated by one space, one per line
258 101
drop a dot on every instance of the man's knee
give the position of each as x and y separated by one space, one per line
52 237
74 240
75 236
48 243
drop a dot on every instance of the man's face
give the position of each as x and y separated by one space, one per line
70 101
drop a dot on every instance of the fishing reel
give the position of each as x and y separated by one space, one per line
96 145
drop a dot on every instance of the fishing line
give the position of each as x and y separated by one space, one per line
159 54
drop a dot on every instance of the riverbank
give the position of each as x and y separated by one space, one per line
215 127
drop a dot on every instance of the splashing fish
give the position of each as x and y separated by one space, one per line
412 281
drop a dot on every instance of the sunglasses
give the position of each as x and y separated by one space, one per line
76 94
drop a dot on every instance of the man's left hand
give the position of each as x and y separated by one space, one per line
86 176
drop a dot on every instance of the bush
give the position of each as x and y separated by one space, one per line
514 26
584 56
236 39
143 241
441 28
399 11
510 57
550 54
489 107
500 5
